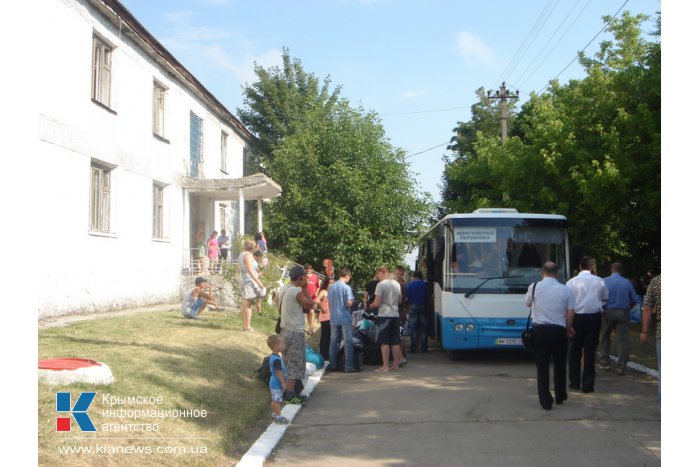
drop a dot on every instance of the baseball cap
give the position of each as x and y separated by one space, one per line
296 272
199 280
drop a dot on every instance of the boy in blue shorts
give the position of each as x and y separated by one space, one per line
278 377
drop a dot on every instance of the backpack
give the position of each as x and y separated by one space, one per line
263 373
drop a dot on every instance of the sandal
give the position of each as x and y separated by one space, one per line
382 370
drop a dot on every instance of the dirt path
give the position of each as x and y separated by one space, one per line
60 321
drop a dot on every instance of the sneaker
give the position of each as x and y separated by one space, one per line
279 419
605 366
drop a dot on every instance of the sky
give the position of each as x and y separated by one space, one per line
416 63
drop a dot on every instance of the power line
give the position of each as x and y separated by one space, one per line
532 41
423 111
429 149
557 43
550 39
508 66
589 43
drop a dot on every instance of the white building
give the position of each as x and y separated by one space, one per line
138 162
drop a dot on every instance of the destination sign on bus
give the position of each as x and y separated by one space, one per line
475 235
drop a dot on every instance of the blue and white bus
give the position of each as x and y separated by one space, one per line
479 266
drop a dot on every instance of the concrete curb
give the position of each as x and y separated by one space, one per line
638 367
263 447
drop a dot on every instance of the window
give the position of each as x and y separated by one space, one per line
224 151
101 71
158 213
159 109
100 184
196 144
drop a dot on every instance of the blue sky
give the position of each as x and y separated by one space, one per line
416 63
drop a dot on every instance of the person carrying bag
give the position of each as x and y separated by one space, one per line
552 317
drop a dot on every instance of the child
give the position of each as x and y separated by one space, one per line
278 377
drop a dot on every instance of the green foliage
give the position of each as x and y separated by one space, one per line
281 103
347 193
590 149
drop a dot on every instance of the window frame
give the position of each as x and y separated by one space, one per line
158 224
224 152
100 197
101 76
200 149
158 120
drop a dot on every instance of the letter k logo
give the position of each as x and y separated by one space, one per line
79 411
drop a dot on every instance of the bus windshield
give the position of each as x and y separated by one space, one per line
510 255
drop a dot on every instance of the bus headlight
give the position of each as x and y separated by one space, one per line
469 327
459 327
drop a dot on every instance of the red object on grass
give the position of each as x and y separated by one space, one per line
66 363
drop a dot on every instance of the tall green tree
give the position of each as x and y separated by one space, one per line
485 118
281 102
347 194
589 149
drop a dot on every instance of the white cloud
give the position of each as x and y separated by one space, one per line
218 46
240 63
471 48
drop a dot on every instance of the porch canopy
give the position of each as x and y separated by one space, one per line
252 187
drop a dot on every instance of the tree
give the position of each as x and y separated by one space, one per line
281 102
347 194
485 118
589 149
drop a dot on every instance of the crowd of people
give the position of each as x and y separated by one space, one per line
570 318
573 323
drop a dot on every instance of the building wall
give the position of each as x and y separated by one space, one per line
80 270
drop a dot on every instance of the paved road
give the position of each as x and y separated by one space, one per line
482 410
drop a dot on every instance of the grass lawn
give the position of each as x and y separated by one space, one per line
192 365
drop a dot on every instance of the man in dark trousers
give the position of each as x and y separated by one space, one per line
552 316
591 294
621 299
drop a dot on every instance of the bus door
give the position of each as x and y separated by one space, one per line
434 254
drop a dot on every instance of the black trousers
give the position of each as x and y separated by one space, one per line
550 344
325 342
585 341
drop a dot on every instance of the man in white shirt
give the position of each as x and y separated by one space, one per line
591 294
553 316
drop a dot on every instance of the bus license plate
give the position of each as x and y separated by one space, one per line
509 341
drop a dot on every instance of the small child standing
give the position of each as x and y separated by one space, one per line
278 377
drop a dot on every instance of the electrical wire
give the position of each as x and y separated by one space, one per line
423 111
589 43
429 149
552 37
508 66
532 41
557 43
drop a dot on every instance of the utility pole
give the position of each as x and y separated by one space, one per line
502 94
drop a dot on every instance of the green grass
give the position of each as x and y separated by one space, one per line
196 365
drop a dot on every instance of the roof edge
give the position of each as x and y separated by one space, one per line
122 16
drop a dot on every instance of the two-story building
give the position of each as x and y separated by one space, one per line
140 163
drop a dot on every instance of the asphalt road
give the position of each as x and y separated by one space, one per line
481 410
